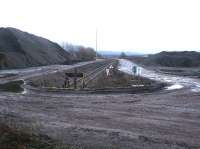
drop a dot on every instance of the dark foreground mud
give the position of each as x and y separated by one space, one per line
164 119
191 72
14 138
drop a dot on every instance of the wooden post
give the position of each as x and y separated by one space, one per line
67 83
75 78
75 75
83 81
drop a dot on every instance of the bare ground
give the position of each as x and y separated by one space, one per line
154 120
163 119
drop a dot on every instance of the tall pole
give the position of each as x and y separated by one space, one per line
96 42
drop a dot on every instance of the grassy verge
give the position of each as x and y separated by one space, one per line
12 138
119 79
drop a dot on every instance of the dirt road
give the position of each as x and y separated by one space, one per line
23 74
165 119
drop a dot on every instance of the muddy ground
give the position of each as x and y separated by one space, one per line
117 78
192 72
167 120
102 83
57 79
159 120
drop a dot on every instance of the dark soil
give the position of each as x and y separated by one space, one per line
14 86
119 79
57 79
12 138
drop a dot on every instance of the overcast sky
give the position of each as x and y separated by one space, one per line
135 25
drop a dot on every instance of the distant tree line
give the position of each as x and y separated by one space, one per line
79 53
123 55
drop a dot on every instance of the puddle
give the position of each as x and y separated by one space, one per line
13 86
177 82
126 66
173 87
7 75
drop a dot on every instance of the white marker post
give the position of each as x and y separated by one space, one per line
111 67
107 71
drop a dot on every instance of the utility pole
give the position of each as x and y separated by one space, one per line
96 42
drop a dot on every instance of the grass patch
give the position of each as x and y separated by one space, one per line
118 79
11 138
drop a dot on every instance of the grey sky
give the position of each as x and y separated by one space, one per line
134 25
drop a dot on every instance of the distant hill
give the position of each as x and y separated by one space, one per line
175 59
20 49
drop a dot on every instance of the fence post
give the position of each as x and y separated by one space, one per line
75 78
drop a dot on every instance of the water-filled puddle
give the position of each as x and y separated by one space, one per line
13 86
177 82
173 87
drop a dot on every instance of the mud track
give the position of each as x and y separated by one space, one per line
162 119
